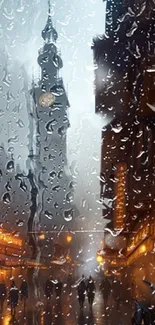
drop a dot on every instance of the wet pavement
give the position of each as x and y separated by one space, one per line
67 312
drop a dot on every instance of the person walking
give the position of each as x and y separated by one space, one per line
117 292
81 289
13 298
3 293
49 288
58 288
69 283
24 292
90 291
105 289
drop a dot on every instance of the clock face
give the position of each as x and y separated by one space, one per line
46 99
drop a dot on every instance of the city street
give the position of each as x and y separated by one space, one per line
67 312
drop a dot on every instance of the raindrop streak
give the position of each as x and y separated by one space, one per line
140 154
6 198
132 30
114 233
68 215
152 107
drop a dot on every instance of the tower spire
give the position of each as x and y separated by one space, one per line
49 33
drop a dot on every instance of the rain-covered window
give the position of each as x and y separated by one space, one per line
77 162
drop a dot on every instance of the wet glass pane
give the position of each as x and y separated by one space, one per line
77 141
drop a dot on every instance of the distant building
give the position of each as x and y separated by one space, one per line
48 124
124 92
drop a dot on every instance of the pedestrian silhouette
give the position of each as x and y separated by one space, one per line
105 289
81 289
58 288
3 292
69 282
24 292
90 291
116 292
13 297
49 289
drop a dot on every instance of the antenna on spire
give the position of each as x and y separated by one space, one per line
49 7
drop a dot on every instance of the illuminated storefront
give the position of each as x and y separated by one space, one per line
120 188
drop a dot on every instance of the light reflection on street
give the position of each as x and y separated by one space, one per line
6 320
42 318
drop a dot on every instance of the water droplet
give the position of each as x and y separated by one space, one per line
48 215
23 186
11 149
60 174
72 185
19 223
10 166
61 131
139 205
56 205
69 197
49 127
95 156
68 215
14 139
20 123
57 61
83 203
117 129
53 174
8 186
57 90
1 112
6 198
81 218
56 188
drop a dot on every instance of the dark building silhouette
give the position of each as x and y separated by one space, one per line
124 79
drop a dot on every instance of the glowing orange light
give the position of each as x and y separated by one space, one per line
42 236
69 238
7 319
9 239
68 258
142 249
99 259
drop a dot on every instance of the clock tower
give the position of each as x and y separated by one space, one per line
51 120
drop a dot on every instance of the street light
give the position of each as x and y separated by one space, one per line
42 236
69 238
99 259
